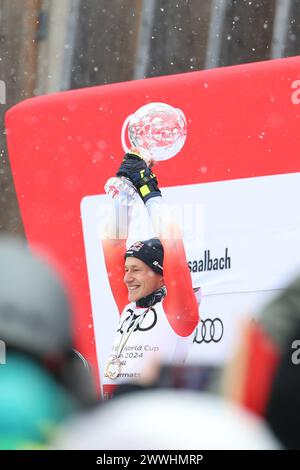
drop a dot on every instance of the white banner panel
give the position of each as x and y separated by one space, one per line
242 244
222 317
254 221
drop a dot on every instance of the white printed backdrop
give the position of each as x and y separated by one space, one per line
254 222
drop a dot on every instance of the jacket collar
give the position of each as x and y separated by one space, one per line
152 299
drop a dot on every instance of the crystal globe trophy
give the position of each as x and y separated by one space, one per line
157 131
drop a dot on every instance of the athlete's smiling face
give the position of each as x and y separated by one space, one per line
140 280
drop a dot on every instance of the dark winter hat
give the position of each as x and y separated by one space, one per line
35 314
150 251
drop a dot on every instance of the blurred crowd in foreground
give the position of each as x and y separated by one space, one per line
48 399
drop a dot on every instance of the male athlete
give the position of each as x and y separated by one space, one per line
153 326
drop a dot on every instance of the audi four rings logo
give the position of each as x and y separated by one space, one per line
210 330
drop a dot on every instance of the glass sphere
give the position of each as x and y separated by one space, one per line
159 129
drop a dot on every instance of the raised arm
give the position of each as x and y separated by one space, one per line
180 304
127 223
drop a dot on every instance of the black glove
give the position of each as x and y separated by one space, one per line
136 170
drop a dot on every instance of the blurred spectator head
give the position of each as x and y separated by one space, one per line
283 407
34 308
181 419
43 379
263 376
